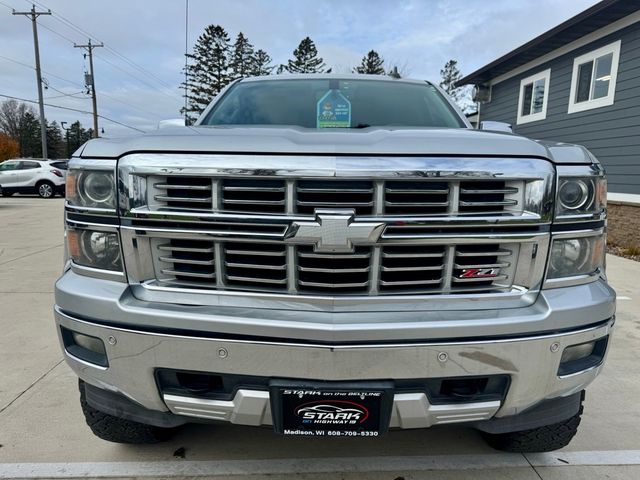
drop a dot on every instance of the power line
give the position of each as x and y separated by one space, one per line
67 95
8 6
49 74
135 77
130 105
69 24
57 33
73 110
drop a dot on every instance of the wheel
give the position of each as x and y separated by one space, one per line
119 430
541 439
46 189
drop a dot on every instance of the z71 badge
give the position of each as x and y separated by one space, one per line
479 273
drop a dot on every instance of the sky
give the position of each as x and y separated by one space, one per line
139 70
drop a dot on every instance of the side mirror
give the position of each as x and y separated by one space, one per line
173 122
496 126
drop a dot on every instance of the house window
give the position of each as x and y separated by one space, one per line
593 82
534 92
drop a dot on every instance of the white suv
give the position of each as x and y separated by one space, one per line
31 176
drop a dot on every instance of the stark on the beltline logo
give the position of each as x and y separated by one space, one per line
333 412
479 273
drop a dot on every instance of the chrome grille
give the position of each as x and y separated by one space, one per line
396 198
392 269
225 223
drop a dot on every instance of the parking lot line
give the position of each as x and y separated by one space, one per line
316 465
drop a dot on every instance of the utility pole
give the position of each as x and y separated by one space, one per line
43 125
66 132
89 47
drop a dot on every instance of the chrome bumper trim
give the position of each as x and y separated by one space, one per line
252 407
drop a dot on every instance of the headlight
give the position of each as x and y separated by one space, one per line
580 197
95 249
572 257
91 188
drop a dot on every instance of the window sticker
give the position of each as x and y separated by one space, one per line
333 110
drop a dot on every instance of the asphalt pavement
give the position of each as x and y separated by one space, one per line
43 434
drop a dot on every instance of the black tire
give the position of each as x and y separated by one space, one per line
45 189
118 430
541 439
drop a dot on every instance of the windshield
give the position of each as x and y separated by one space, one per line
334 103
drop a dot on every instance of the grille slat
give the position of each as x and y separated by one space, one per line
411 269
405 283
471 280
182 273
335 285
168 199
255 265
333 270
186 261
250 280
487 204
483 265
168 186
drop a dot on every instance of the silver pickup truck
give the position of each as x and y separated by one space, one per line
335 256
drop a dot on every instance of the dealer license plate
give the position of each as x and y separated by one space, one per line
326 413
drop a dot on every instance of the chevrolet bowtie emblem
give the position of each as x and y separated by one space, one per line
334 231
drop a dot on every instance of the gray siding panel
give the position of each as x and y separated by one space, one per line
612 133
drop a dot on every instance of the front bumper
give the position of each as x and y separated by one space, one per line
531 362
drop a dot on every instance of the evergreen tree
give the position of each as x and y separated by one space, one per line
242 58
55 142
450 75
30 141
77 136
209 71
261 64
306 59
460 95
372 63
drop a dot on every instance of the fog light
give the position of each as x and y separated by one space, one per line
84 347
90 343
576 352
581 357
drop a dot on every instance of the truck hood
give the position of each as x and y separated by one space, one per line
366 142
